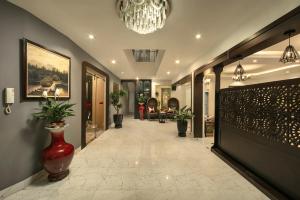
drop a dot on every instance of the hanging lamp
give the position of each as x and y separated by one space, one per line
239 73
290 54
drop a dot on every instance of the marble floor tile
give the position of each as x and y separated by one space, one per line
145 160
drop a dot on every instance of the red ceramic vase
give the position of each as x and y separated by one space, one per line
141 111
57 156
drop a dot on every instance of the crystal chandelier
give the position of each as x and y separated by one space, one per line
143 16
239 73
290 54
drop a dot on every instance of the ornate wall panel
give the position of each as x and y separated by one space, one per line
268 110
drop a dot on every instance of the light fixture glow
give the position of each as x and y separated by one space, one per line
122 72
91 36
254 61
177 61
274 70
168 72
290 54
207 81
137 78
113 61
198 36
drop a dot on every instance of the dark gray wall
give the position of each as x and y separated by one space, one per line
21 138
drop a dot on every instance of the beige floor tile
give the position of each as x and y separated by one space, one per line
145 161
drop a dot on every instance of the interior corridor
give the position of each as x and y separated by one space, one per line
145 160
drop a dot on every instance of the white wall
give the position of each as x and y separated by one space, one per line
157 83
179 93
188 95
183 94
210 88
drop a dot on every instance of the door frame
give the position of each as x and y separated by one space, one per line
85 67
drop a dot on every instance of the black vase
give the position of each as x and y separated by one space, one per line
182 127
118 120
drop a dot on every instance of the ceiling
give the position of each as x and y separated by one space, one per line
222 24
266 62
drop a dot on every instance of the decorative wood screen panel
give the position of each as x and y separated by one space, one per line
269 110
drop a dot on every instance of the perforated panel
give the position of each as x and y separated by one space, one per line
269 110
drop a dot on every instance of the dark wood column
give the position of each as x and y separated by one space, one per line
198 105
218 70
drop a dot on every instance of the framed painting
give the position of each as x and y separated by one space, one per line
116 87
45 72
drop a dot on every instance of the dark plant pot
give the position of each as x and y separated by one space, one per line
118 120
57 157
182 127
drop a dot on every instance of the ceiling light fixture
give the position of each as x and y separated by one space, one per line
254 61
177 61
143 16
168 72
290 54
91 36
198 36
113 61
239 73
137 78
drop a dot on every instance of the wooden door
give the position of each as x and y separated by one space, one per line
100 102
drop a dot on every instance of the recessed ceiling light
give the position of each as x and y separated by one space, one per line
137 78
177 61
168 73
198 36
255 61
113 61
91 36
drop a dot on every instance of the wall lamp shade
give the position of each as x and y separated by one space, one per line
290 54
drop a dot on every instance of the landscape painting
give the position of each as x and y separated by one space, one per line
47 73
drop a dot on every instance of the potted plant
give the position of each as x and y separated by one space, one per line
141 101
115 101
57 157
182 116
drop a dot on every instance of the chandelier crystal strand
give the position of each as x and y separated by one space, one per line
143 16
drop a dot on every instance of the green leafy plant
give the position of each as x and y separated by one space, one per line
115 99
183 114
141 99
54 112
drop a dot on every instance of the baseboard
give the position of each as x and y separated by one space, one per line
23 184
257 181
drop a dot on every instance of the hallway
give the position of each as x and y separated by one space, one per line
145 161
